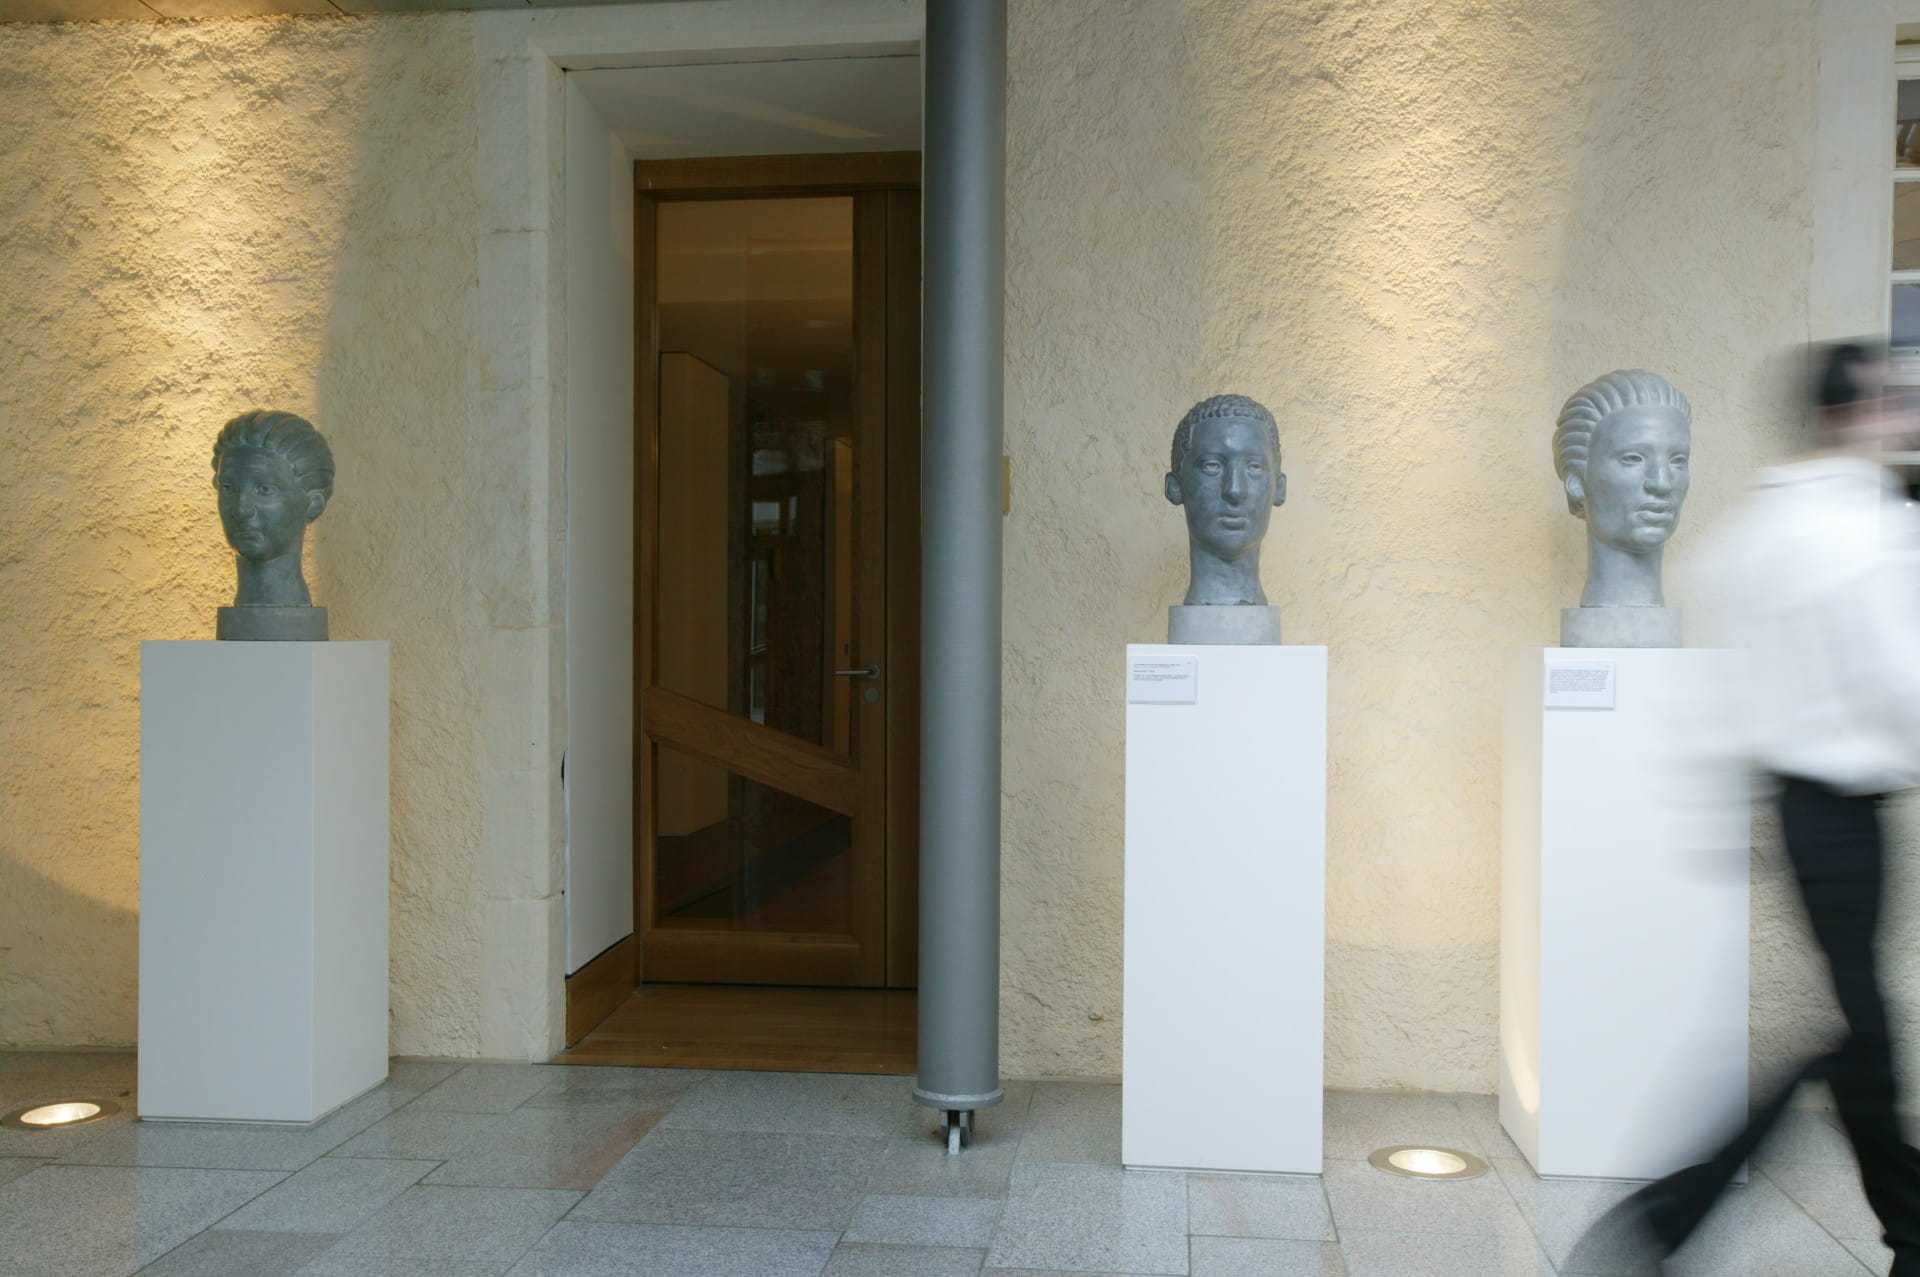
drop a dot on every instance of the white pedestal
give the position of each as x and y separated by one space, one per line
263 878
1623 924
1226 913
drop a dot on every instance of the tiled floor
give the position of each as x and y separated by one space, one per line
458 1171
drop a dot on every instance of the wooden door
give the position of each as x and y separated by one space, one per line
778 475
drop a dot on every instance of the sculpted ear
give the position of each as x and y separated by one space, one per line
1280 489
1576 484
316 502
1174 494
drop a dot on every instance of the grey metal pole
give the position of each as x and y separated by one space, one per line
964 255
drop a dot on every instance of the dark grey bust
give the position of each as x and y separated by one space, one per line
1225 475
1622 448
274 475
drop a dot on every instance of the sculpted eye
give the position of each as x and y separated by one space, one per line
1631 458
1680 459
1209 467
265 489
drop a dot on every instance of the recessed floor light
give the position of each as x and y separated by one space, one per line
1421 1161
57 1116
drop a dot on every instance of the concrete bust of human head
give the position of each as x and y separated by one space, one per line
274 475
1225 475
1622 447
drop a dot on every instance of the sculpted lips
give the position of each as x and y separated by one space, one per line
1233 522
1655 514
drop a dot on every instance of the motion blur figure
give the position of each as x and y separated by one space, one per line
1817 581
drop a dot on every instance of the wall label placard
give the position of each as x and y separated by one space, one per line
1579 685
1163 680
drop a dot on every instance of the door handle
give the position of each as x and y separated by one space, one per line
867 671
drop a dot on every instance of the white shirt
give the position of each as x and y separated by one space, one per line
1816 580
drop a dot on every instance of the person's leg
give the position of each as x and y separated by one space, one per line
1834 842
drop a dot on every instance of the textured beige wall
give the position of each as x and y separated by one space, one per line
197 218
1411 229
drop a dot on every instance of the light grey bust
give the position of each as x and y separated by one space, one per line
1225 475
1621 447
274 475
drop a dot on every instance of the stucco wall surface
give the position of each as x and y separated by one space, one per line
198 218
1411 230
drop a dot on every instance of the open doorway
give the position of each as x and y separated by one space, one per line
776 517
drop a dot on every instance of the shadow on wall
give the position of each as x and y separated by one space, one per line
424 506
1411 231
205 217
1107 345
45 915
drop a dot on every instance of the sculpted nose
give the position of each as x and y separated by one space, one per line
1235 487
1660 478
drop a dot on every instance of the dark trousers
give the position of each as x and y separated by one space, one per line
1833 840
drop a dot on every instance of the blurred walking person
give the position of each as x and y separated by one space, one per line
1818 583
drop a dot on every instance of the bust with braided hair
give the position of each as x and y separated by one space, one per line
1621 447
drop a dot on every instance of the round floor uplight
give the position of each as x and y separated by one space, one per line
1421 1161
58 1115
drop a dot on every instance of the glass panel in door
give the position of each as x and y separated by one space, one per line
757 462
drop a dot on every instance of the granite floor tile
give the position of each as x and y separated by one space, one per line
1482 1116
412 1074
1757 1231
1050 1272
1831 1195
1388 1254
924 1221
456 1226
1805 1135
1073 1122
803 1103
243 1146
487 1088
433 1134
219 1252
1358 1122
919 1167
1263 1257
645 1089
107 1220
1875 1256
737 1178
1278 1206
1558 1210
858 1259
1070 1216
330 1265
597 1249
1361 1197
571 1148
14 1167
333 1195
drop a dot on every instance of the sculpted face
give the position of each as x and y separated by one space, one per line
1228 482
1635 477
263 510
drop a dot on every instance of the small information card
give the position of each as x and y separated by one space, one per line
1163 680
1579 685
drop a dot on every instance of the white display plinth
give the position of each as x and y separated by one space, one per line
1623 919
1226 911
263 878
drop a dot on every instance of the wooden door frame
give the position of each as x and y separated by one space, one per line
885 187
